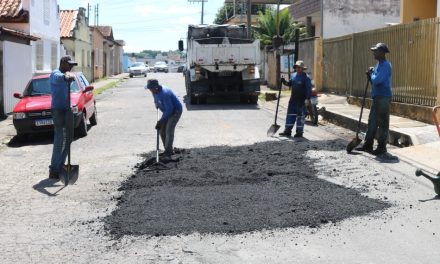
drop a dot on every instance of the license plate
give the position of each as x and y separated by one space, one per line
314 100
44 122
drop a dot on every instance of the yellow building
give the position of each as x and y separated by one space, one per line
413 10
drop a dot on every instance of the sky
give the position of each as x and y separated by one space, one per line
148 24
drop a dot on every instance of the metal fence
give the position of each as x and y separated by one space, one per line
414 55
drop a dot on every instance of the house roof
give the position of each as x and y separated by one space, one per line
18 34
67 22
107 31
12 11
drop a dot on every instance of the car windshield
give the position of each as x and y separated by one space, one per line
136 64
42 87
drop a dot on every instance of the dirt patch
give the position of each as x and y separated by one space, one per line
227 189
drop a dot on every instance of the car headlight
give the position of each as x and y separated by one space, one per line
75 109
19 115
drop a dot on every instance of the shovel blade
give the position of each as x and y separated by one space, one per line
272 130
69 174
353 143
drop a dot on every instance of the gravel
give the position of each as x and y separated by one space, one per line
224 189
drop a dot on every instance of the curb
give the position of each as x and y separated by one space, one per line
395 137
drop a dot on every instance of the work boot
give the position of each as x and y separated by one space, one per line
54 175
286 133
379 150
298 134
366 148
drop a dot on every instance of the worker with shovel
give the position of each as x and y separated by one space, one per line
171 107
300 96
379 118
59 80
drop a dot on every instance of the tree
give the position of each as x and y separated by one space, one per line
266 27
227 11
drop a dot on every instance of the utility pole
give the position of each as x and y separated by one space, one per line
249 18
203 7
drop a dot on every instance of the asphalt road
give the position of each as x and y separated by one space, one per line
42 222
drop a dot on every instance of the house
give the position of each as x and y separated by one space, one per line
98 64
334 18
76 37
113 52
412 10
29 45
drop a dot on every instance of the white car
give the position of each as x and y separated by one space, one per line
160 66
138 69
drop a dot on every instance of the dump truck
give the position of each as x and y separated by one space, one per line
221 61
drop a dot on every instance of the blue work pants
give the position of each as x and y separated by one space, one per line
59 152
167 132
295 114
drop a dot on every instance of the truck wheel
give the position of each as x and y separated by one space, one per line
81 130
253 99
193 99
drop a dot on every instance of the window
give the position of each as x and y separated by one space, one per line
88 58
82 58
46 12
54 55
39 55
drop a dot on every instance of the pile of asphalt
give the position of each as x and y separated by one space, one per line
224 189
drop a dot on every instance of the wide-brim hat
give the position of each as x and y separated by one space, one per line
380 46
300 63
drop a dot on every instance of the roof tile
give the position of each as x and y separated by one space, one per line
67 22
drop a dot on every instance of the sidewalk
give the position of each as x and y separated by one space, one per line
7 130
421 139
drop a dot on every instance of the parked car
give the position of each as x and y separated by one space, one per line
32 114
138 69
160 66
180 68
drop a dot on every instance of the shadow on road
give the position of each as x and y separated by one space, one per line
219 103
226 189
48 183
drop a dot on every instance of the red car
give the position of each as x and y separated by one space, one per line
32 114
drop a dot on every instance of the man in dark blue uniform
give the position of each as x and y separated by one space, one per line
301 91
379 118
171 107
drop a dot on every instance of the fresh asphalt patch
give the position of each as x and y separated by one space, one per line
224 189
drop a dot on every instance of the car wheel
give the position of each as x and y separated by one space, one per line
94 118
131 75
81 130
145 75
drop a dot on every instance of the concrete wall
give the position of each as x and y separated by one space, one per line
15 76
346 17
412 10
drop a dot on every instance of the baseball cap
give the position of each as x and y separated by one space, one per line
68 59
381 46
152 83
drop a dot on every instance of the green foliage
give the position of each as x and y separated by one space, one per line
266 27
227 11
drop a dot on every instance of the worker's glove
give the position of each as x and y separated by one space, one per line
69 77
369 72
158 125
283 81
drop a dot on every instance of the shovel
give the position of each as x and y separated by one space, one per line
69 173
356 141
274 128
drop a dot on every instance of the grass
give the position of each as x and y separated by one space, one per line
106 87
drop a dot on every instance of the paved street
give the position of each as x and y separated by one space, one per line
42 222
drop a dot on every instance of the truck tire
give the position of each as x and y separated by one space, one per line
253 99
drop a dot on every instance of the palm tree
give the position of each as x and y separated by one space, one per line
266 27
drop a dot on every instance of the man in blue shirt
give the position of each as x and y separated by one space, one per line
59 79
170 106
379 118
301 91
